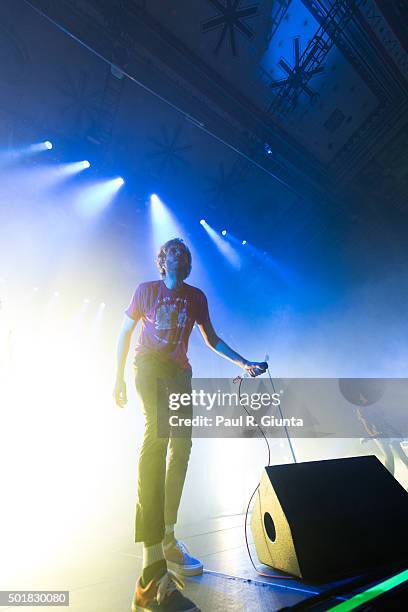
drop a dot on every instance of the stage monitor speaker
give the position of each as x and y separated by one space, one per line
323 520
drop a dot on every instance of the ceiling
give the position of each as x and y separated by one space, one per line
322 86
298 107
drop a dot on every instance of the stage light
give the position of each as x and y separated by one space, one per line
224 246
224 232
202 221
40 178
244 242
56 294
13 155
164 225
267 149
86 301
94 198
103 305
72 168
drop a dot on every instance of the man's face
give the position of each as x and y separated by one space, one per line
177 260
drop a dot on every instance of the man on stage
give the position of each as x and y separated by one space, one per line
168 309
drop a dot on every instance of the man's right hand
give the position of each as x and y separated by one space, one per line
119 393
255 368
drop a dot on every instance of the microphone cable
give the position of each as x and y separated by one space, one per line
258 571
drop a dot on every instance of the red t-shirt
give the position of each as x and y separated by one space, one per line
168 317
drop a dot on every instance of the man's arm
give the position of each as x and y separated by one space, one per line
254 368
125 334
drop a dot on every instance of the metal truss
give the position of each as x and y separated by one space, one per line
125 36
332 24
278 16
102 129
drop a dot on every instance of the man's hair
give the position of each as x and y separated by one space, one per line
162 254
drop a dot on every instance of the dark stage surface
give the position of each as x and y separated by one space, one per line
102 580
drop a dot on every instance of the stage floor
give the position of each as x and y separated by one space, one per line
103 581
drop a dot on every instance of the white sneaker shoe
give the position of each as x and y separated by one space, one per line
180 561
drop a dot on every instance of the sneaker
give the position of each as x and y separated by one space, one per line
162 595
180 561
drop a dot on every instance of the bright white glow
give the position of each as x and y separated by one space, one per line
41 177
39 452
72 167
10 156
202 221
36 147
244 242
103 305
86 301
119 181
224 232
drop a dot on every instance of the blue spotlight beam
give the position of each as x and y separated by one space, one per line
46 145
223 246
96 197
73 167
285 273
164 225
14 155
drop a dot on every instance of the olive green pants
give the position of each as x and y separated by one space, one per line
164 456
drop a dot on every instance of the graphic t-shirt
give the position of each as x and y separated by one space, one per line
168 317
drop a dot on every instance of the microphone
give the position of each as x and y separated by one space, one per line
264 365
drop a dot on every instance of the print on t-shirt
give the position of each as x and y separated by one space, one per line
171 314
167 318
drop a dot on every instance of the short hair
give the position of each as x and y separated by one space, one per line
162 254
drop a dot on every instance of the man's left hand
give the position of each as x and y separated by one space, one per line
256 368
